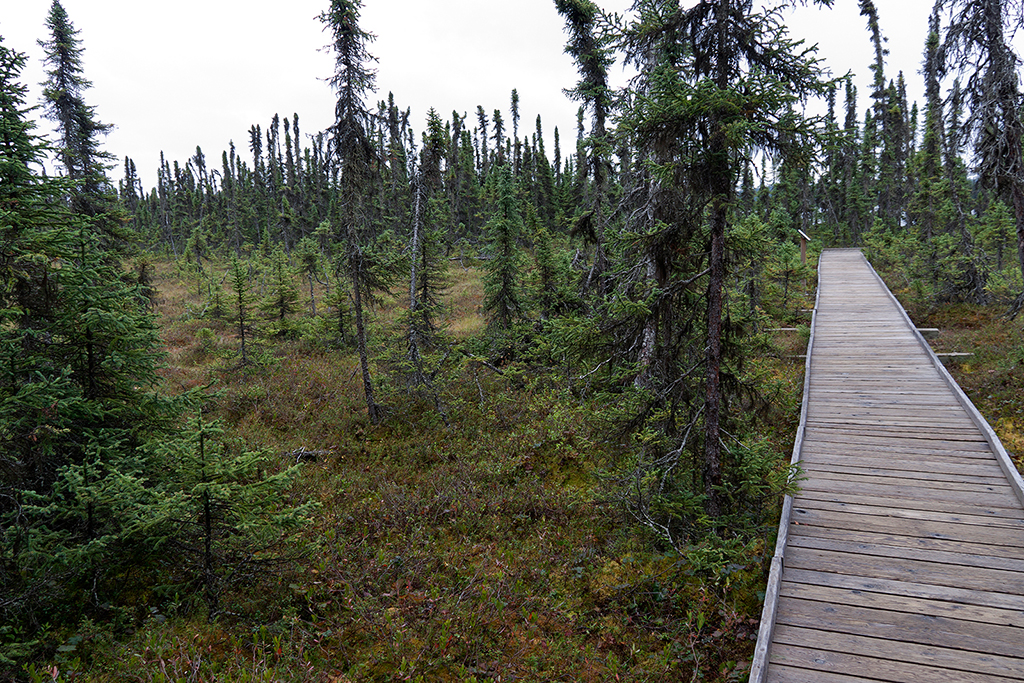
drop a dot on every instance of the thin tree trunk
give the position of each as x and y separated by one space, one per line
209 579
646 354
241 330
364 361
721 179
713 396
414 248
312 298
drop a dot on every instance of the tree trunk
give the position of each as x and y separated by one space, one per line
242 322
721 184
364 362
312 298
713 395
209 577
414 247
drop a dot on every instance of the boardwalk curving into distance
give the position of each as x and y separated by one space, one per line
902 556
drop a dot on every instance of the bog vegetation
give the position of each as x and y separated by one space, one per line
381 403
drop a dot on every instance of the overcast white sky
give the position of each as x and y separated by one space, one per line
173 75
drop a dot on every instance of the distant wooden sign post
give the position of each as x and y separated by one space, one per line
803 247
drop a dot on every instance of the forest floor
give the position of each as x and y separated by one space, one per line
491 550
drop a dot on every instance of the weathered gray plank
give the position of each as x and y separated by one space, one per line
900 627
832 470
907 526
907 588
889 512
898 603
974 556
901 490
824 436
784 674
883 461
957 660
903 569
884 666
901 544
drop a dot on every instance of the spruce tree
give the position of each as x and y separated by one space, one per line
356 163
308 255
976 44
428 279
553 277
499 138
78 361
282 298
79 131
224 512
544 179
950 261
481 118
503 298
424 347
717 80
592 56
516 144
243 302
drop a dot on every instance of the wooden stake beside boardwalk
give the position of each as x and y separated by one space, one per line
902 557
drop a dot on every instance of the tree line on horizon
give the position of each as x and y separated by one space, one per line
644 256
889 166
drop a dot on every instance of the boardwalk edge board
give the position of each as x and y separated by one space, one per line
1005 463
766 630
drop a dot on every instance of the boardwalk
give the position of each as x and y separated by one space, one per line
902 557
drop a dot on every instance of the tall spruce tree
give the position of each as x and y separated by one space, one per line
503 298
78 359
716 81
976 44
938 214
593 58
79 131
356 164
481 118
517 150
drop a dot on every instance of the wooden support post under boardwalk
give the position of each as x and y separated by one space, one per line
902 556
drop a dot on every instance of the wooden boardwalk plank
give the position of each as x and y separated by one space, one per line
990 665
808 496
953 554
829 660
897 628
901 489
902 556
1013 526
907 588
953 465
903 569
903 543
844 472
